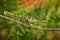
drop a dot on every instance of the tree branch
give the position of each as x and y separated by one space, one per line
30 26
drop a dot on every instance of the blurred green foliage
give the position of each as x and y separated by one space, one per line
13 31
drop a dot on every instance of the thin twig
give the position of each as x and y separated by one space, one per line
34 27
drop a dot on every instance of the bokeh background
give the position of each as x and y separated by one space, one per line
38 13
